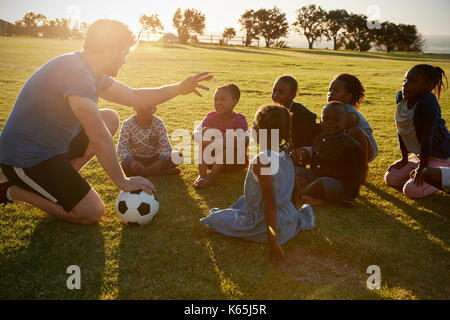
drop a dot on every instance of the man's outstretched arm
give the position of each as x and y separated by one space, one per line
144 97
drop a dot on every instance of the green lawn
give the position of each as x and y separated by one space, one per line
175 257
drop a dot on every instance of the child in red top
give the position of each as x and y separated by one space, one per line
223 119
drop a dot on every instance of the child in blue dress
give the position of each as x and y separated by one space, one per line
266 213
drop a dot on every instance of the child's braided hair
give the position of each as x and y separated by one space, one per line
354 86
272 117
435 75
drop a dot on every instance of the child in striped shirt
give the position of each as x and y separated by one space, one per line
144 148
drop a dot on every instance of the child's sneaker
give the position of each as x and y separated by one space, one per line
3 190
307 217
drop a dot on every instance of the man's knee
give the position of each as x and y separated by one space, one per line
91 209
111 119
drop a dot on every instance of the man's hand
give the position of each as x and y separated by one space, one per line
138 183
192 83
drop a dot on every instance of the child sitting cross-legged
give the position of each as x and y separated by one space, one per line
222 121
144 148
336 170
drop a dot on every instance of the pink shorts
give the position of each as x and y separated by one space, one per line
401 177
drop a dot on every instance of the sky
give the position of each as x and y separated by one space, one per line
431 16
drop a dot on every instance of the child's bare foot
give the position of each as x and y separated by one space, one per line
198 181
206 181
311 201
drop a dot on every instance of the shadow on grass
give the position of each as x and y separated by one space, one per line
313 271
438 225
215 197
397 57
411 248
166 259
39 270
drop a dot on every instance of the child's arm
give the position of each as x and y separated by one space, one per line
164 146
301 156
270 210
122 147
198 133
427 118
404 160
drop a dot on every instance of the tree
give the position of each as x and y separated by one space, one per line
151 23
49 29
228 34
409 39
60 28
271 24
386 37
335 23
312 23
358 34
31 22
249 24
190 21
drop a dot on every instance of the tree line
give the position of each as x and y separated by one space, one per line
346 30
37 25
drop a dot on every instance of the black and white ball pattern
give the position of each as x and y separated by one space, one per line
137 207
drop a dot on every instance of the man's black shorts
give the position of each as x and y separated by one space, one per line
55 178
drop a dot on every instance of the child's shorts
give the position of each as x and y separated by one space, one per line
333 188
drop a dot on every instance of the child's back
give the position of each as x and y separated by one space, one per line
265 213
246 217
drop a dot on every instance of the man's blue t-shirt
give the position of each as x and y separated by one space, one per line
42 124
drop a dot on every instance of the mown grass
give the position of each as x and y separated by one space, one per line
175 257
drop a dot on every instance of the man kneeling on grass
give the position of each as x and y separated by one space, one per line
55 127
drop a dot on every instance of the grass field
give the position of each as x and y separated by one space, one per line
175 257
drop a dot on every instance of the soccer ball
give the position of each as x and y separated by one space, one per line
136 208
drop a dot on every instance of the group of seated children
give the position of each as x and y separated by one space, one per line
338 151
